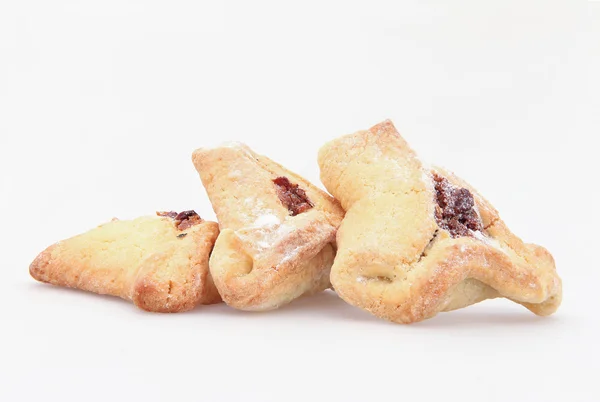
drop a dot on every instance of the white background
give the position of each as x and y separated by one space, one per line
102 103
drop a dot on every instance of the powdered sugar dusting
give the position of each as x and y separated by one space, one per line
426 178
234 174
266 220
259 208
265 237
487 240
290 254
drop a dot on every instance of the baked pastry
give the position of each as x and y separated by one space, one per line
416 241
159 262
277 229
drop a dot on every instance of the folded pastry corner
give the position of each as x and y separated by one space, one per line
416 240
277 239
158 262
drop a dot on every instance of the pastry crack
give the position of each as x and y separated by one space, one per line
428 246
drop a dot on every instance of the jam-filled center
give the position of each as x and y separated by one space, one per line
292 196
455 209
184 219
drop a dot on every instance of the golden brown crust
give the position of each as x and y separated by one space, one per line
393 258
142 260
264 256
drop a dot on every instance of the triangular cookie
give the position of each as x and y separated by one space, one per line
159 262
416 241
277 229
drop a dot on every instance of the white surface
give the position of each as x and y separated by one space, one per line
102 103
